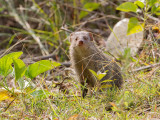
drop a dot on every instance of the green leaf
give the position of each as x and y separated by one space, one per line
98 75
127 7
23 83
19 67
39 67
1 9
83 14
106 81
127 53
155 10
140 4
134 26
40 93
106 86
101 75
90 6
6 61
94 73
151 2
157 13
106 71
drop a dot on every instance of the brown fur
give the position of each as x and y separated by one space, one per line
85 55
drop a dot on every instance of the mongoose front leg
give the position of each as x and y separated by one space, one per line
84 92
84 88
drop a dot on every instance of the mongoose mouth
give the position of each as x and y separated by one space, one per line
80 43
81 47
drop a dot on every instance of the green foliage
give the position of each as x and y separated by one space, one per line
1 9
139 3
154 5
126 59
40 94
98 75
39 67
90 6
156 10
134 26
19 68
127 53
152 2
6 61
127 7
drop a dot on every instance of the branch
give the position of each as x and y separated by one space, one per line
146 67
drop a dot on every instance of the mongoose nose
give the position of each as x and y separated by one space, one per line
80 43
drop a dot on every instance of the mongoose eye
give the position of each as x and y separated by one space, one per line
85 38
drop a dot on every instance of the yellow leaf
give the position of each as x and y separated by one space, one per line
5 95
106 86
113 104
74 117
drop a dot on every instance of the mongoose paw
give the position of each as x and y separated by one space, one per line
84 92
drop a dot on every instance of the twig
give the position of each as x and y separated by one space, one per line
153 18
9 105
66 64
149 109
65 29
146 67
43 57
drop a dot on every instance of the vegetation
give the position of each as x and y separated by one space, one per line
33 87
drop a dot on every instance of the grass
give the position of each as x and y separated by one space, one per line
138 99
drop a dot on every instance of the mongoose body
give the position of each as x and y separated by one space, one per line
85 55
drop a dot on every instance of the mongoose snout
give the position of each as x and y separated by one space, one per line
80 43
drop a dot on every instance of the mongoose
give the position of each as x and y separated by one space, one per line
85 55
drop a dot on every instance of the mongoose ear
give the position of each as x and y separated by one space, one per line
91 36
70 37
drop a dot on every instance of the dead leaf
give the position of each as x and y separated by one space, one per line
5 95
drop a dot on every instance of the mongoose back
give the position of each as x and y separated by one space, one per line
85 55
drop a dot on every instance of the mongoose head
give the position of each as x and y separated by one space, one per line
81 39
